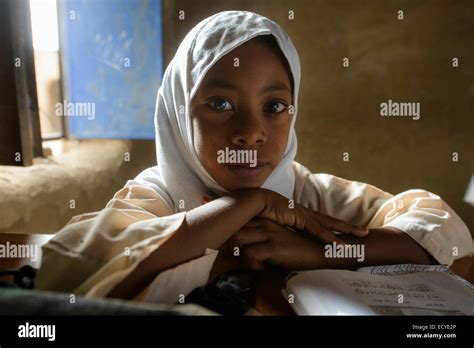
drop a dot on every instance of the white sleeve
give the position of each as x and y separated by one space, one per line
170 286
96 251
422 215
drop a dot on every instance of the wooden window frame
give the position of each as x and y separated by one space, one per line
20 131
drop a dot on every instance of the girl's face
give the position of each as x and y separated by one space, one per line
242 104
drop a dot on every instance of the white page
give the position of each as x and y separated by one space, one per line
337 292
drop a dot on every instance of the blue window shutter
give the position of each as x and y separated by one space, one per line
112 56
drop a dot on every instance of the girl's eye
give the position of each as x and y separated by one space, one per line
275 107
221 104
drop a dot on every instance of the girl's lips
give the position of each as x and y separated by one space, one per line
244 171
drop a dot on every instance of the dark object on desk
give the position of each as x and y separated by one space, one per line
23 278
228 294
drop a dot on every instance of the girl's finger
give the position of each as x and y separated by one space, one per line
247 236
315 229
255 255
255 222
334 224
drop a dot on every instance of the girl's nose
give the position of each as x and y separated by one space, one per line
248 131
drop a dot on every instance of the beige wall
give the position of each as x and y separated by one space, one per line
406 61
42 198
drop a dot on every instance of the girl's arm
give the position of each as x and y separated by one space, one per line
265 242
207 226
382 246
420 214
212 224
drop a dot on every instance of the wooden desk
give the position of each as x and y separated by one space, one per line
269 300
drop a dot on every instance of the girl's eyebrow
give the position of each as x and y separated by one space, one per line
217 83
275 86
272 87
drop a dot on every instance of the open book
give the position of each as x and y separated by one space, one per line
381 290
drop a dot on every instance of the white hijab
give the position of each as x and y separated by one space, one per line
179 177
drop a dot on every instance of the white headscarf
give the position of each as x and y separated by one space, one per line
179 175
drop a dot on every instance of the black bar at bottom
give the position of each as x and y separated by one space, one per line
192 329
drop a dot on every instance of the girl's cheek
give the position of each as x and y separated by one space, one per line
208 148
280 138
200 146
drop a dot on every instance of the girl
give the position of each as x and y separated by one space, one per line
233 85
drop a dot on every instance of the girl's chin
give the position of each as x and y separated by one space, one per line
244 186
234 186
237 178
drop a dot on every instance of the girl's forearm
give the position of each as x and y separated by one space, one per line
207 226
382 246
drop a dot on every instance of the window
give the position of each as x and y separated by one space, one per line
111 54
96 70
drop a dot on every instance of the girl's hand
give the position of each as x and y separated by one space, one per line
263 241
321 226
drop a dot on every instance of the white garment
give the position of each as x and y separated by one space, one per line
88 255
179 174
